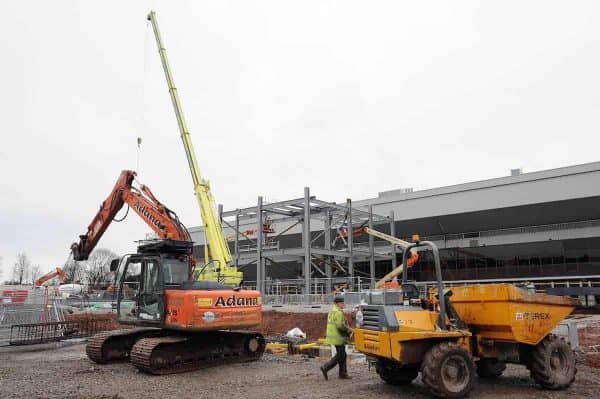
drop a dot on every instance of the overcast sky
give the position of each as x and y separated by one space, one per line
350 98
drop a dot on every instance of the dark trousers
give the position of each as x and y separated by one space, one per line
339 359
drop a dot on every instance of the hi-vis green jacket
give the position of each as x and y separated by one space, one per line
337 327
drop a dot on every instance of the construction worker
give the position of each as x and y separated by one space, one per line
338 333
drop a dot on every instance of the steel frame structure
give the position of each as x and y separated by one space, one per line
321 223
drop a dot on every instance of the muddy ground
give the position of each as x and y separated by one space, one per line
63 371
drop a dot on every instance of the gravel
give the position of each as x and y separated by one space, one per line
63 371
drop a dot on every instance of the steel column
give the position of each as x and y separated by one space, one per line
350 243
393 234
327 229
260 279
306 242
371 249
236 243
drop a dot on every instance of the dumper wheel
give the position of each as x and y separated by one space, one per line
448 370
552 363
393 374
490 368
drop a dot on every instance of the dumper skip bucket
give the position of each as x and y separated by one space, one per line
509 313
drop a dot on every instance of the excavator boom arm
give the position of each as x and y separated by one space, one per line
161 220
58 272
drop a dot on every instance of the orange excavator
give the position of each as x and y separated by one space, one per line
180 324
58 272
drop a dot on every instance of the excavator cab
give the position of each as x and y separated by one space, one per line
141 290
145 276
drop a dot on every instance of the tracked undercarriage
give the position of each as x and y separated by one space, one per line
161 351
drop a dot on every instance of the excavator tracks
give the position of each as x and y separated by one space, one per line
179 353
115 346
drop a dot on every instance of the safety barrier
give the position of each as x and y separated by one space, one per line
38 333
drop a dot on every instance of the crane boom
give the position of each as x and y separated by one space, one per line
402 244
220 254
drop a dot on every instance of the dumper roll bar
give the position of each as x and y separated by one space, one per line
438 276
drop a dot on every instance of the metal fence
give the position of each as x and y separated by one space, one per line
289 292
37 333
30 315
318 286
33 315
25 305
297 299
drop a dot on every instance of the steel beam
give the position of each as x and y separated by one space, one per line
299 253
340 207
283 213
252 209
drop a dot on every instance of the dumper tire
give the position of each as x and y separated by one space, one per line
552 363
448 371
395 375
490 368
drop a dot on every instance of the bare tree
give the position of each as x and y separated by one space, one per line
36 271
97 267
21 268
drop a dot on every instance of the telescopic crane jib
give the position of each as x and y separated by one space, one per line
218 256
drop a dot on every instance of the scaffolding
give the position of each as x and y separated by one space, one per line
326 250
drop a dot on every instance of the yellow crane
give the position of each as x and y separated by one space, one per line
217 256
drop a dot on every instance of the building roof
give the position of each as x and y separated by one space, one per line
553 185
550 196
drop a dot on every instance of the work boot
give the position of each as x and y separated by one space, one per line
324 371
343 371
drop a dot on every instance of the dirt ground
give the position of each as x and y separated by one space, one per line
63 371
277 323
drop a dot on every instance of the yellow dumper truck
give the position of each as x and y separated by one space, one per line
466 331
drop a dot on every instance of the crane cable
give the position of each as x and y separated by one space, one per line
142 122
